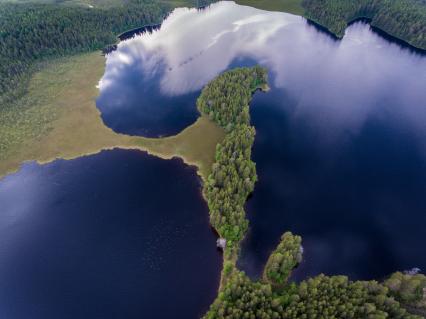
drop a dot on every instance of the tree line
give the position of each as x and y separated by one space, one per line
404 19
410 289
31 32
319 297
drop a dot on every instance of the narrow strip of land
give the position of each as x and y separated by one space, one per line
60 120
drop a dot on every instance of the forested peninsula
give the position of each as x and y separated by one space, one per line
226 101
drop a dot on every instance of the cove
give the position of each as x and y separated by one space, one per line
118 234
340 137
359 204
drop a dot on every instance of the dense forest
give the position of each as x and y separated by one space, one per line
226 101
283 260
403 296
319 297
34 32
410 289
404 19
31 32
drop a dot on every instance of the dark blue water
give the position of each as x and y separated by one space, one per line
116 235
359 203
340 148
134 104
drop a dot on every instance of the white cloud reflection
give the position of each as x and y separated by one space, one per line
196 45
335 82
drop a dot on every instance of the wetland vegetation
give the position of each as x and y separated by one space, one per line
47 88
62 96
31 33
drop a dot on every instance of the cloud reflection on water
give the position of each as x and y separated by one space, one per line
336 84
339 136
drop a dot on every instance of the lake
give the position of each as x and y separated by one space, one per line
340 152
120 234
340 148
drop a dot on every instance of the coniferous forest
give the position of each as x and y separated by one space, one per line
31 32
225 100
286 256
404 19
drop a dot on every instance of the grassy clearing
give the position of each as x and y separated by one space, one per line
290 6
58 119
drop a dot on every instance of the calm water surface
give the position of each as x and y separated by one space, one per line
340 146
340 152
117 235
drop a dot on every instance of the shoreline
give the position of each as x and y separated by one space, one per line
78 129
290 8
379 31
5 174
132 145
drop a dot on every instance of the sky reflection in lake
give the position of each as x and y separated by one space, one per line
341 137
335 84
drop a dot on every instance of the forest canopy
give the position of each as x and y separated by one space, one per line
404 19
31 32
226 101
